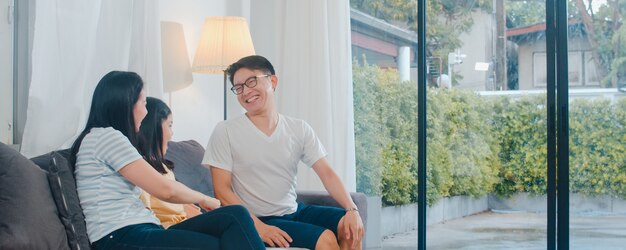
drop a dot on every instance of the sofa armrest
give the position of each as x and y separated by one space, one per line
322 198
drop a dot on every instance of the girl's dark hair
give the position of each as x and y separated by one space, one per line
151 135
112 106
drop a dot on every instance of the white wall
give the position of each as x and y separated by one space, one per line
6 73
199 107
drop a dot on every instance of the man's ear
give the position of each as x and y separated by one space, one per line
274 80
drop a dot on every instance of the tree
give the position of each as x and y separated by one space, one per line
447 19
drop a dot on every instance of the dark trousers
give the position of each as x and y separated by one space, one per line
228 227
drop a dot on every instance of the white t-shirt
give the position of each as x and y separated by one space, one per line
109 201
264 168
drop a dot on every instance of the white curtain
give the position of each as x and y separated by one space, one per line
309 44
75 43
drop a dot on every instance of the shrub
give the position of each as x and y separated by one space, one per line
460 155
520 126
368 129
460 143
598 147
477 145
398 182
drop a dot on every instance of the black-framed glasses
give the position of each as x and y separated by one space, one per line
250 83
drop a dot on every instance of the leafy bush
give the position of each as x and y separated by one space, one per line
398 182
520 126
598 147
368 130
460 147
477 145
460 157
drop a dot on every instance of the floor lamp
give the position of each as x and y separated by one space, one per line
174 59
224 40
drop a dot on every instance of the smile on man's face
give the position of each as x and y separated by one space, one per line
253 98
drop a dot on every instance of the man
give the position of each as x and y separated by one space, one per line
254 160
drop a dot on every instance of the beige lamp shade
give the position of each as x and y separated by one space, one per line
175 60
224 40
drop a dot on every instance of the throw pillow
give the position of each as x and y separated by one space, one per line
29 216
63 186
187 158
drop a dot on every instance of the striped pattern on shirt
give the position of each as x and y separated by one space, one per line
109 201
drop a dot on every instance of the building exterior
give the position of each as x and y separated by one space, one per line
384 44
531 44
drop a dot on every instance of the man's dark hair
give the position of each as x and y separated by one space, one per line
253 62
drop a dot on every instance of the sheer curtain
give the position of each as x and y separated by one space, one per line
75 43
309 45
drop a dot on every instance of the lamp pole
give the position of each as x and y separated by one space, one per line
224 40
225 109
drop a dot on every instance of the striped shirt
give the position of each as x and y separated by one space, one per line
109 201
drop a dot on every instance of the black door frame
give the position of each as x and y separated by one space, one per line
557 106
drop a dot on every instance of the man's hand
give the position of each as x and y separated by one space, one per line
273 236
353 227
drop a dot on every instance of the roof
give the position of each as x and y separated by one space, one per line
539 27
380 29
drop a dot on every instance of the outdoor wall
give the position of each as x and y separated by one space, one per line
601 204
398 219
477 45
526 53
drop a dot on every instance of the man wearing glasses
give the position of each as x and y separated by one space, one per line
254 159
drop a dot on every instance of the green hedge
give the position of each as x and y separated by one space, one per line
598 147
477 145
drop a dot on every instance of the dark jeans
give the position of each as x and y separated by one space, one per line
228 227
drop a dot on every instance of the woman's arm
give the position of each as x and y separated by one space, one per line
143 175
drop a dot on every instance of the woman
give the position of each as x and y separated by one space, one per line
110 174
155 132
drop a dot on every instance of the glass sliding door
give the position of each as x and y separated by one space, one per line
384 43
490 74
597 124
486 125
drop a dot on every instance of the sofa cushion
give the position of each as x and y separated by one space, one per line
29 216
63 186
187 158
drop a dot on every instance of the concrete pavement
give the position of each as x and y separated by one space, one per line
516 230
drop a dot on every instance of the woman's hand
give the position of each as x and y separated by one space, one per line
209 203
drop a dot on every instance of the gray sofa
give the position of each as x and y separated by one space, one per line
40 206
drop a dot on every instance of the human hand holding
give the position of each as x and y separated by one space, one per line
209 203
273 236
353 227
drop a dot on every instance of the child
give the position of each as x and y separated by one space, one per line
154 133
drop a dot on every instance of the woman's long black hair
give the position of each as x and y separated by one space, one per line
112 106
151 134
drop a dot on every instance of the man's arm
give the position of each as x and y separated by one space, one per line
353 228
222 186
